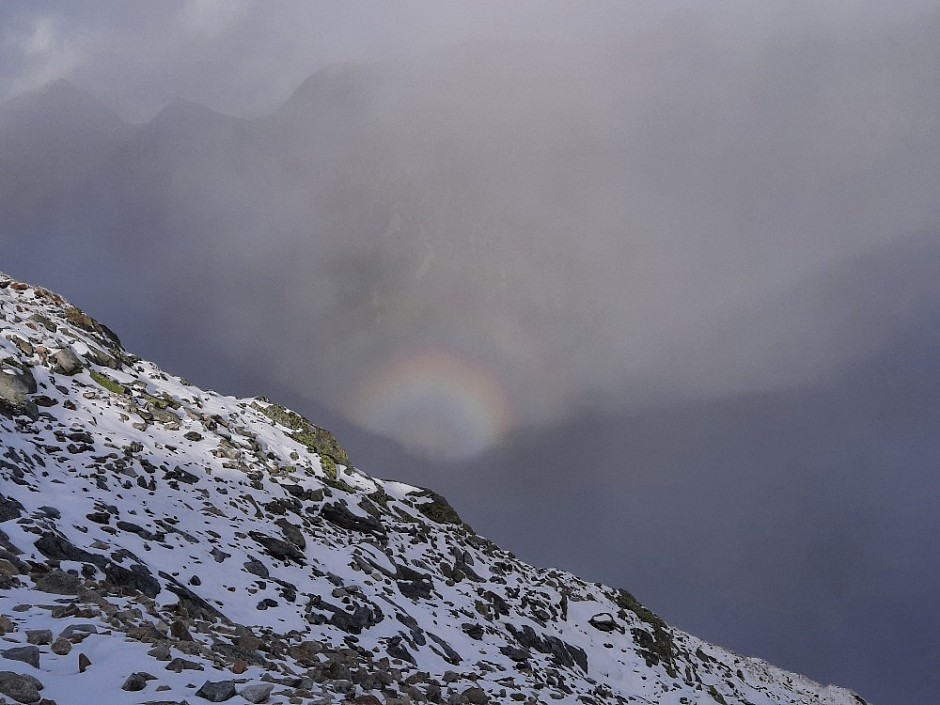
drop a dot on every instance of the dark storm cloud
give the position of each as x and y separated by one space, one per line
671 263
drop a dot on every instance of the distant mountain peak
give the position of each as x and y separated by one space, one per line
61 85
341 87
181 110
167 536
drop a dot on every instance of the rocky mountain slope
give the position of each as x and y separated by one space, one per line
164 544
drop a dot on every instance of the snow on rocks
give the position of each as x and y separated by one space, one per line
163 543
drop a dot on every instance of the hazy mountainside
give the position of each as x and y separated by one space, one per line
157 539
49 140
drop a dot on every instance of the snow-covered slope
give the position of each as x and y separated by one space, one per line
161 543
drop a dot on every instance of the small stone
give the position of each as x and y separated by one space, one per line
367 699
160 652
66 362
603 622
136 681
6 625
59 582
26 654
83 663
239 667
61 647
13 390
180 664
24 345
306 653
180 631
40 637
292 533
257 693
217 691
474 631
248 642
476 696
257 568
146 631
77 633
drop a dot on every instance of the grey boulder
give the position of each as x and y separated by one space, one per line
257 693
217 691
26 654
23 689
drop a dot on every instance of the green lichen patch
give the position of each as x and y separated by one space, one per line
80 319
626 601
329 467
438 509
656 648
380 496
163 401
111 385
339 485
317 440
716 696
654 645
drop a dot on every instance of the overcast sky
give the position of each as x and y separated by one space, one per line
243 57
730 315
